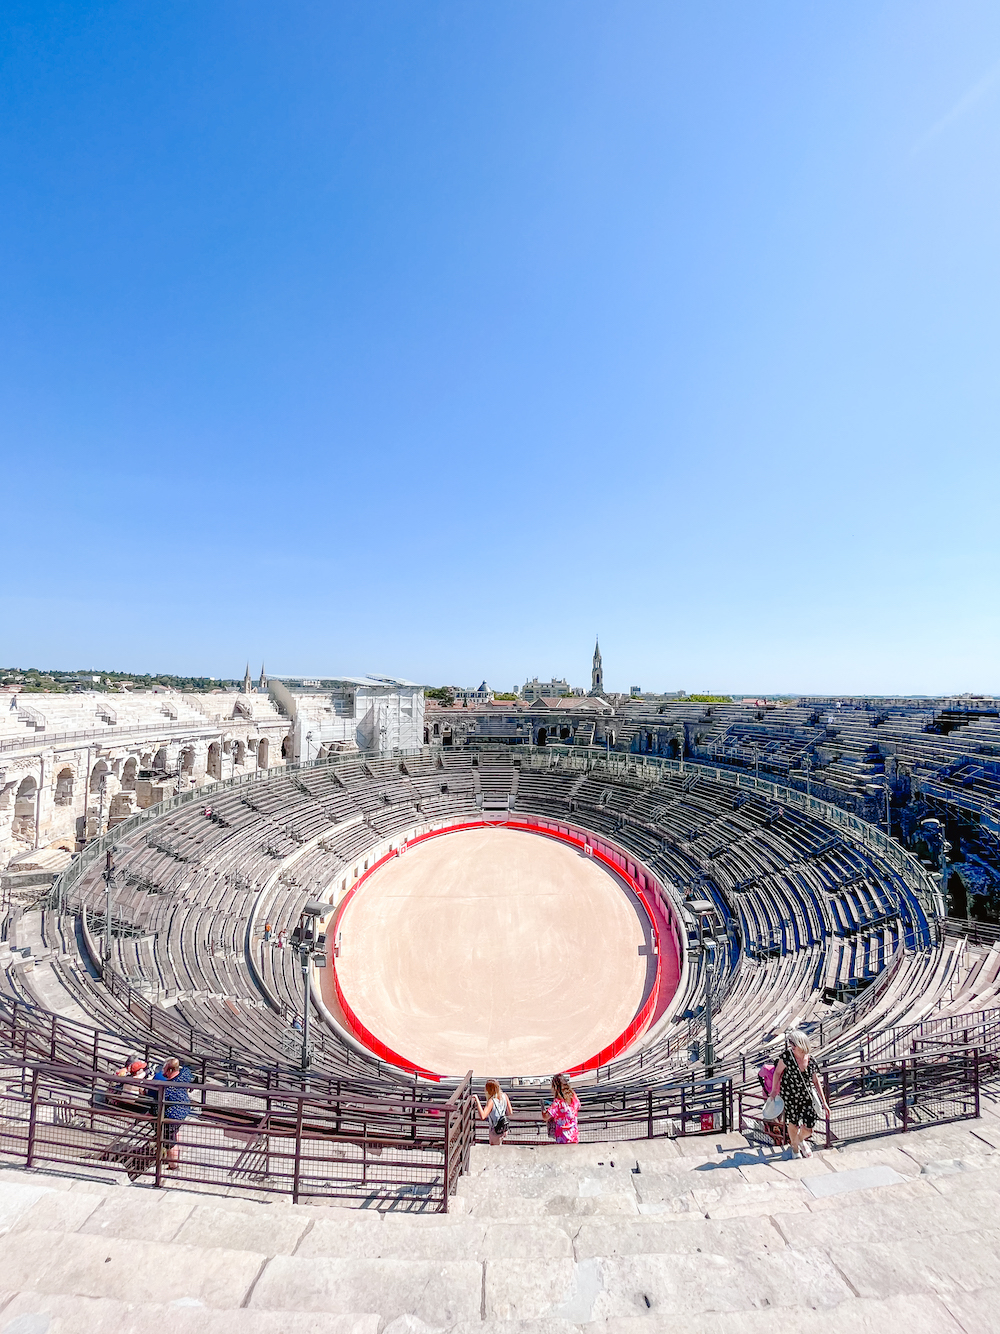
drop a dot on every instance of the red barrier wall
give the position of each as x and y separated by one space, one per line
618 862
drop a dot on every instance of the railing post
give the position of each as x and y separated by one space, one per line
906 1117
649 1113
160 1103
683 1109
975 1076
298 1154
32 1118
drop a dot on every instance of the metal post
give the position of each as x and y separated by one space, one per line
304 958
109 875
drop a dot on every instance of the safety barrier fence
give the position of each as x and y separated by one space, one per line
891 1097
976 933
36 1034
385 1152
654 1112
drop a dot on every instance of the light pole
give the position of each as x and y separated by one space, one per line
704 910
807 765
109 885
311 945
888 808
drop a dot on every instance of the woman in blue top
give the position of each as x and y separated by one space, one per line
176 1105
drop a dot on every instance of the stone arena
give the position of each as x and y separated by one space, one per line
342 913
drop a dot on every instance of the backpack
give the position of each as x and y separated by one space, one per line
502 1124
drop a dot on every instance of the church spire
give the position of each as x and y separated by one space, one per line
262 683
247 683
597 671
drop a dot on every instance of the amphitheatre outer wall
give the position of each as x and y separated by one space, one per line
514 948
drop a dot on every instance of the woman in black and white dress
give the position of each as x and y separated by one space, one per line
796 1075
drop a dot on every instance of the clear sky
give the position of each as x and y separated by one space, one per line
430 339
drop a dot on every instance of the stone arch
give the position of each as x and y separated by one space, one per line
262 753
187 759
427 738
129 773
286 748
159 761
673 748
239 753
542 736
214 768
63 795
97 775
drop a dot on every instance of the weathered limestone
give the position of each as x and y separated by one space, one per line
539 1241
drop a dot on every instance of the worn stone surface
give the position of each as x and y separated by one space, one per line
439 1292
37 1313
70 1262
266 1230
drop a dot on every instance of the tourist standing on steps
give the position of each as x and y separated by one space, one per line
563 1112
176 1105
796 1080
497 1111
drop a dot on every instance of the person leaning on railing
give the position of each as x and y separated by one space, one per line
176 1105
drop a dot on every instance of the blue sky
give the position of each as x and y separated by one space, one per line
430 339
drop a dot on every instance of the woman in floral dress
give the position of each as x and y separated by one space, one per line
795 1076
563 1111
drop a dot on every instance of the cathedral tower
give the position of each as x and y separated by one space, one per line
597 672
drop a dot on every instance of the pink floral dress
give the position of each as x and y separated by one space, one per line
563 1116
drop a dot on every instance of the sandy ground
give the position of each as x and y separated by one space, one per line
494 950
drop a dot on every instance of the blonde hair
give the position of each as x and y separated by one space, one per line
797 1038
492 1088
561 1087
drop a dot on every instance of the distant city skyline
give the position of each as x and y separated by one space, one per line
425 339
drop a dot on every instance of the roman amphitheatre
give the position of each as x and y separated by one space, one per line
342 943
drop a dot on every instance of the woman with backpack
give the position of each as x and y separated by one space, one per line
497 1111
797 1082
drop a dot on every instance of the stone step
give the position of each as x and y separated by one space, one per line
895 1235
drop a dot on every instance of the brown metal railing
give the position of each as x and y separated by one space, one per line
389 1152
888 1098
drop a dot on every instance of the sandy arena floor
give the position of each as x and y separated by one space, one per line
494 950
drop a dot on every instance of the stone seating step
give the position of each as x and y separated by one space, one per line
703 1236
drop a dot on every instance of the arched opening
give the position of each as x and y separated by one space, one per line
129 774
446 739
673 748
649 741
541 736
24 809
564 734
215 760
437 729
239 753
262 754
159 764
187 759
427 739
286 748
64 788
97 775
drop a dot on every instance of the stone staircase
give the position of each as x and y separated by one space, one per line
699 1236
